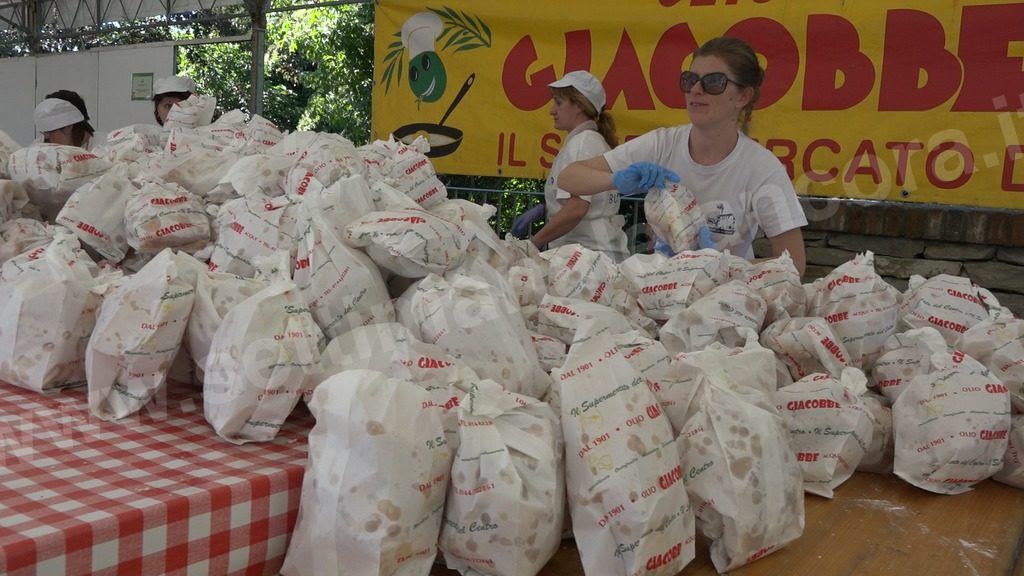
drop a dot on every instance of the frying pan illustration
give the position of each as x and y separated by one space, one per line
443 139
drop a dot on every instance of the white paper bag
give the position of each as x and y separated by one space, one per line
742 478
374 488
342 286
951 426
506 500
829 427
47 314
477 324
137 335
259 360
860 307
630 512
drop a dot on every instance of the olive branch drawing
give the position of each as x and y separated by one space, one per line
461 31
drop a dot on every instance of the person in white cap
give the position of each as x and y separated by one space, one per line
62 119
592 221
741 187
169 91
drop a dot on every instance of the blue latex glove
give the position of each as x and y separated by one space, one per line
662 247
521 225
704 239
641 177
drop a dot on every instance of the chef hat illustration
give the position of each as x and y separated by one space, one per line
419 33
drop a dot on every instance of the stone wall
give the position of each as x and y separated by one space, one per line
984 245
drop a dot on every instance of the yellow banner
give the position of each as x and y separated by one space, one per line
918 101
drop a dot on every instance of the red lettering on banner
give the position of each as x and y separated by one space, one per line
813 175
865 150
674 46
782 56
578 49
626 77
990 73
833 49
1009 163
787 157
914 45
523 93
549 144
903 150
965 175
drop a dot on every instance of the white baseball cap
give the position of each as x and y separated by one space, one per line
586 84
54 113
173 84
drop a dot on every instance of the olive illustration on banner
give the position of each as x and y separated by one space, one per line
427 76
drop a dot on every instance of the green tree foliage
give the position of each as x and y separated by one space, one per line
317 69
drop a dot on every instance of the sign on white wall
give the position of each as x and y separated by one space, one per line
104 77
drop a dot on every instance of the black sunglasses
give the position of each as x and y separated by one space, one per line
713 83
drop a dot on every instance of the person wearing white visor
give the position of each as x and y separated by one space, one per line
169 91
61 122
592 221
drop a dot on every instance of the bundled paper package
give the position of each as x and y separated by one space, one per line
51 172
23 235
560 317
193 112
859 305
829 427
720 316
879 453
409 243
13 199
374 489
47 314
951 425
999 345
163 215
1012 472
392 349
674 215
504 511
578 272
479 325
260 358
806 346
744 482
216 294
666 286
138 332
950 304
252 227
904 356
96 212
778 282
341 285
624 476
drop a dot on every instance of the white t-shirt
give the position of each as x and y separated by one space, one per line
747 190
601 227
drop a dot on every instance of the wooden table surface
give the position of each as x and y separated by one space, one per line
880 525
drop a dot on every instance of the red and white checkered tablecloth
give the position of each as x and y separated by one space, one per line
156 493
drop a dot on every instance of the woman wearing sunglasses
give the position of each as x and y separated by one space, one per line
592 221
741 186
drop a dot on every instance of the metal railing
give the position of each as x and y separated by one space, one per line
510 203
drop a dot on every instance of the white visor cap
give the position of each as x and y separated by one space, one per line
586 84
173 84
53 114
